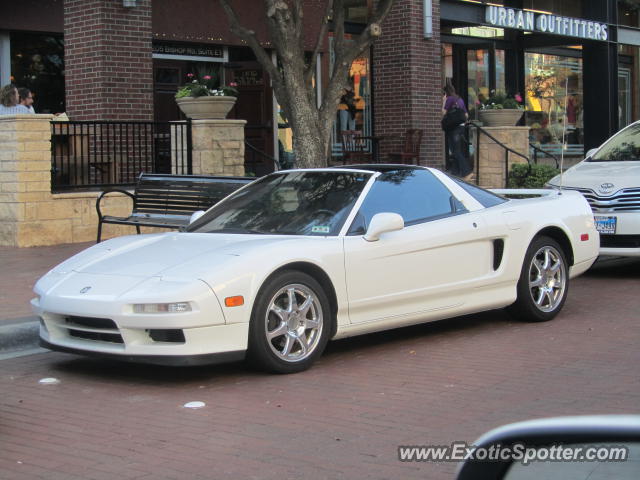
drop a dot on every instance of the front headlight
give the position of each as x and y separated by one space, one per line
178 307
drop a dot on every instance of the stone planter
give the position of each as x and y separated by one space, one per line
204 108
506 117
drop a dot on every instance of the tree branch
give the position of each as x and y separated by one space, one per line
308 74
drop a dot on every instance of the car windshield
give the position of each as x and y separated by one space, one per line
288 203
624 146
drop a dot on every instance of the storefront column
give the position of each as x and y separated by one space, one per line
408 81
108 65
600 69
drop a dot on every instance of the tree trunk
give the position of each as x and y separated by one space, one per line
292 77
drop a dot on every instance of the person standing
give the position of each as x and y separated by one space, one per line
26 99
9 101
347 110
454 135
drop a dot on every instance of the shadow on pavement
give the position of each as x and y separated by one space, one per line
144 374
463 324
615 267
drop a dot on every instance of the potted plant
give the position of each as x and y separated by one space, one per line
501 110
199 100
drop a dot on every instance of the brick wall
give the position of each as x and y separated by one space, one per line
108 65
408 84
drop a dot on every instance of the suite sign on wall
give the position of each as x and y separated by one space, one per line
545 23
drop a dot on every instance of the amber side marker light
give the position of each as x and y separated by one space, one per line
584 237
236 301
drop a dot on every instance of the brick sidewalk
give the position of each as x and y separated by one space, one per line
21 268
344 418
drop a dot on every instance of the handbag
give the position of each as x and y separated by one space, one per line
454 117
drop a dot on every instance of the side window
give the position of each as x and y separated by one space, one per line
417 195
487 199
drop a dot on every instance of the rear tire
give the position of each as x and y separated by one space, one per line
290 323
544 282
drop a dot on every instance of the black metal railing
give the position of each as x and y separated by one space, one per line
537 151
258 163
88 154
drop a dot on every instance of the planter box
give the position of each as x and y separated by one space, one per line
506 117
204 108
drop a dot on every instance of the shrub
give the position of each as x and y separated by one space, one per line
530 176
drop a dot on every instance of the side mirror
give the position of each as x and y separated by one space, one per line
580 448
591 152
195 216
382 223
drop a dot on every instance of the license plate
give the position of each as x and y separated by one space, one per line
606 224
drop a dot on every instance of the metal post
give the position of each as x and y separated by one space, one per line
189 148
428 18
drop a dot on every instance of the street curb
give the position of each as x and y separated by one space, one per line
19 336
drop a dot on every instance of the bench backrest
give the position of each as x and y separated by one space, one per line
182 194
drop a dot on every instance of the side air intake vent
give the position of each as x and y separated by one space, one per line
498 251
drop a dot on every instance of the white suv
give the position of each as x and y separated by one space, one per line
609 178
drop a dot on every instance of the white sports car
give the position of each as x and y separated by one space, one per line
299 257
609 178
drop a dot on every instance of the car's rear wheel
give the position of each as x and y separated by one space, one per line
544 282
290 323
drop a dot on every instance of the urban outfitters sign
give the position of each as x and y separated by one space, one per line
546 23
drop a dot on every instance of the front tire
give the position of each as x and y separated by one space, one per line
290 323
544 282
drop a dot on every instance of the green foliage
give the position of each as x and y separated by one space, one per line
523 176
205 88
500 100
510 103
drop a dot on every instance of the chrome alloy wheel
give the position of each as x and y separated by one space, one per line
547 278
293 322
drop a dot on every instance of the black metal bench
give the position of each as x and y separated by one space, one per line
167 201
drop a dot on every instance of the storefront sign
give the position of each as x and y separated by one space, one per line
248 77
545 23
211 53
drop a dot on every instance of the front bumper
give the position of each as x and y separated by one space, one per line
626 240
109 328
167 360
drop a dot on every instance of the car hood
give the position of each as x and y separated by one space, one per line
593 174
144 256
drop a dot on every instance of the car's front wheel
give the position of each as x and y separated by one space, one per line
544 282
290 323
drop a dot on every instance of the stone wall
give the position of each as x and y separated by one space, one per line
30 215
491 156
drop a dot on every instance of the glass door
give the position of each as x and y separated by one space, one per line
485 73
624 91
554 103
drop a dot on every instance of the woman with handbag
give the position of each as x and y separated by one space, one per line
454 116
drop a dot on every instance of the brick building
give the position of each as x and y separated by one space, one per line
124 59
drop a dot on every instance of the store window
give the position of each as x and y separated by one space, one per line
357 11
628 84
629 13
354 110
554 103
37 63
485 73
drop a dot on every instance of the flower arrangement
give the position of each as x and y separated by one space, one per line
499 100
205 88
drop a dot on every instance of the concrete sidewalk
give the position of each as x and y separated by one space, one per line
20 269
